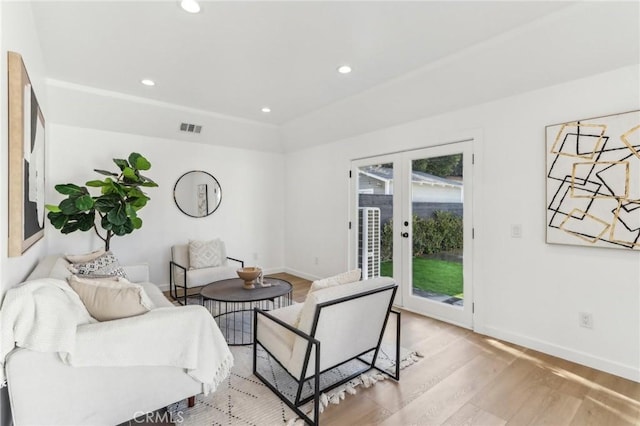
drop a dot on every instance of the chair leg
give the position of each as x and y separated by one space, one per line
316 390
173 292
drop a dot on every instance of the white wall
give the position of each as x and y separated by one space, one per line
249 219
18 35
526 291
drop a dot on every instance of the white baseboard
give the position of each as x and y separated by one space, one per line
616 368
301 274
436 317
270 271
163 287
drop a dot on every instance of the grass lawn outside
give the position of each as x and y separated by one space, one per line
438 276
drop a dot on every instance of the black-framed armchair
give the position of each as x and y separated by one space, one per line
183 276
336 325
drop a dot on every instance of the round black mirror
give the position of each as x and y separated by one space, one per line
197 193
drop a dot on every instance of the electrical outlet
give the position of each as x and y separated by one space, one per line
516 231
255 256
585 319
316 261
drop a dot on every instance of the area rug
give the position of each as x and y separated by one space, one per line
244 400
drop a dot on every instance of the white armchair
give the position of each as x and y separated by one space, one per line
334 326
182 276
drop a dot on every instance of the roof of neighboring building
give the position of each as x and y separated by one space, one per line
386 174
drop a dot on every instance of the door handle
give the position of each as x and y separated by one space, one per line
405 234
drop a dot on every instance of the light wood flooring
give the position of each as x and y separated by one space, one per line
469 379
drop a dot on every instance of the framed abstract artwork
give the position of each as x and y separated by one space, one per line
593 182
26 160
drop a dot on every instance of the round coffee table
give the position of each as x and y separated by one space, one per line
232 305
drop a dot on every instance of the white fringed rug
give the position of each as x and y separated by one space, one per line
244 400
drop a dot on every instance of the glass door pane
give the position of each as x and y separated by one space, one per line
437 210
437 246
375 219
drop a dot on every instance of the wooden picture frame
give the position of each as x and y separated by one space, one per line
593 182
26 160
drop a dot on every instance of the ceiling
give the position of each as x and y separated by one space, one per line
217 69
233 58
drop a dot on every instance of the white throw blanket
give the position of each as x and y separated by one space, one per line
41 315
46 315
185 337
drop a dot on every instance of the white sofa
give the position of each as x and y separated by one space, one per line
181 275
45 391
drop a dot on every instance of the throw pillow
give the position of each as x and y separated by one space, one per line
60 270
205 254
344 278
86 257
102 266
110 298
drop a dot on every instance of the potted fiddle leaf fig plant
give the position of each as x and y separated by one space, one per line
115 210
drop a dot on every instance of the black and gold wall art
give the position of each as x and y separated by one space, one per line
593 182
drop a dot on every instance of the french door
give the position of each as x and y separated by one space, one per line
413 216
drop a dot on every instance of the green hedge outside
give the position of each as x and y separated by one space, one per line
442 232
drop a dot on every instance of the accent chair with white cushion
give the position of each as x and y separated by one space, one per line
197 264
338 323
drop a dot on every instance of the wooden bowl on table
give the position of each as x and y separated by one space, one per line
249 275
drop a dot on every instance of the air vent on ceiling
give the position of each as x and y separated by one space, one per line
190 128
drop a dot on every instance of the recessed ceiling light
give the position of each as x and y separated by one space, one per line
265 109
190 6
148 82
344 69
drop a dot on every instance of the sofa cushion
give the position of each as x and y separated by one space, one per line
180 254
43 268
85 257
104 265
204 276
137 273
157 298
344 278
110 298
205 254
60 270
275 338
